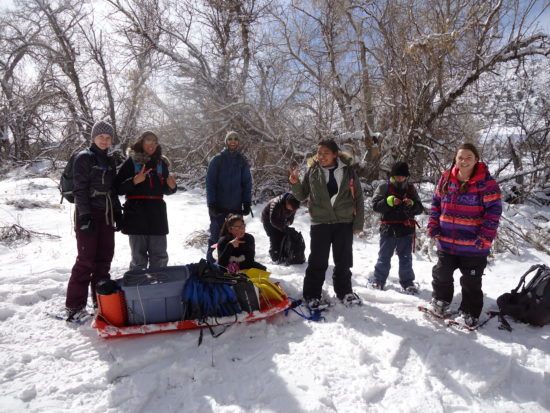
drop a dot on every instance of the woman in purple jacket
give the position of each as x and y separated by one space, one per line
464 218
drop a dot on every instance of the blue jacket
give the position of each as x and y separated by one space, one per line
228 182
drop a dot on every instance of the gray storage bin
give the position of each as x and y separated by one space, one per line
155 295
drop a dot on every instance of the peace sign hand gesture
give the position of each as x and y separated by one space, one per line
294 177
140 176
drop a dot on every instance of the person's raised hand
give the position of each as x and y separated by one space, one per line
140 176
294 177
236 242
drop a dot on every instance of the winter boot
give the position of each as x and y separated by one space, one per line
467 319
439 307
375 285
351 300
76 316
410 289
316 304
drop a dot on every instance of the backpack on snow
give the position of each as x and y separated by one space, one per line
211 293
292 250
66 181
532 304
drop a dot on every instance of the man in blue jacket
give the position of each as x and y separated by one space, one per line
228 187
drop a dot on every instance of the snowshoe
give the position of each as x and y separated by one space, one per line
410 289
80 316
375 285
352 300
436 314
439 307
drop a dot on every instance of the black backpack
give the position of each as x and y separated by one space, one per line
532 304
293 247
66 181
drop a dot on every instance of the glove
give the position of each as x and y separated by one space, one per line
212 211
233 268
86 224
246 208
119 221
389 200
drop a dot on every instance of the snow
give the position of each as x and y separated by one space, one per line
383 356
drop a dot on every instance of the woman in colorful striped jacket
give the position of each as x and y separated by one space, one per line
464 218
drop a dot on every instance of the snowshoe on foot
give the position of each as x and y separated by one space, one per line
316 304
375 285
439 307
411 289
351 300
78 316
466 319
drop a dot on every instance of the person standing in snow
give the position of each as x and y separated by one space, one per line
464 218
278 215
398 202
236 248
335 201
144 179
97 214
228 187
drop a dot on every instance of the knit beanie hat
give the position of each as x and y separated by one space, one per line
102 127
231 134
400 168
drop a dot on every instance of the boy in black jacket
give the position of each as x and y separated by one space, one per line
277 215
398 202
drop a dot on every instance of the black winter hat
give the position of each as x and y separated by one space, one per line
400 168
102 127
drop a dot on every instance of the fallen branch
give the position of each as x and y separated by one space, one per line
14 233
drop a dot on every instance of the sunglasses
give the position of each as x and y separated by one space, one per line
233 139
238 227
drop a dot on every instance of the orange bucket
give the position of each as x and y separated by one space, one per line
112 308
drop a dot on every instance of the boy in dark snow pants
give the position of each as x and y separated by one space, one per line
398 202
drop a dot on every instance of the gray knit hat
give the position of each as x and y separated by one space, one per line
231 134
102 127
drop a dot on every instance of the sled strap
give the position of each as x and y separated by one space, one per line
215 335
315 315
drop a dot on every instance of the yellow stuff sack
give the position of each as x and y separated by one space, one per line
268 289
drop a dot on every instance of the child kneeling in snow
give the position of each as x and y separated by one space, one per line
236 248
278 215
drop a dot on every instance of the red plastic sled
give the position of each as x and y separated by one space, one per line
268 308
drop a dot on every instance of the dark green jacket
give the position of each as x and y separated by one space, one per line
348 206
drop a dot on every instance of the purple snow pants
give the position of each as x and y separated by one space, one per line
93 262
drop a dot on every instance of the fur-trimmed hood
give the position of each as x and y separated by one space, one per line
143 158
345 157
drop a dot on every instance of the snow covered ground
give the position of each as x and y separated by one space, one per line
382 357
